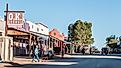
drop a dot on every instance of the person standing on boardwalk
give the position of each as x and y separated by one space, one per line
35 54
63 51
83 51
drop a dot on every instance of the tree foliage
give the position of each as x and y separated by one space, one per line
112 41
81 33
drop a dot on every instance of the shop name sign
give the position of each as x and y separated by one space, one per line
15 17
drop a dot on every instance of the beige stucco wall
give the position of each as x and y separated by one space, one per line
2 26
7 48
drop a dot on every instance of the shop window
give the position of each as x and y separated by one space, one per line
32 26
41 29
37 29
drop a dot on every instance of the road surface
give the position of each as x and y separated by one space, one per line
75 61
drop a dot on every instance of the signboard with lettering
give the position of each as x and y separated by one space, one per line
15 18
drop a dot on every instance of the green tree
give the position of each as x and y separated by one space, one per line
81 33
111 41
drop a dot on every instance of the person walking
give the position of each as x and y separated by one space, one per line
35 54
83 51
40 52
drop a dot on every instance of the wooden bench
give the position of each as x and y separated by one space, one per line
44 59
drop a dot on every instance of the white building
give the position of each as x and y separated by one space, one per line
38 28
2 27
42 28
41 31
6 52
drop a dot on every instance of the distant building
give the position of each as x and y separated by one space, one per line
55 33
56 41
38 28
43 29
42 34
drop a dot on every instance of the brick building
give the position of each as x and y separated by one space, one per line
56 40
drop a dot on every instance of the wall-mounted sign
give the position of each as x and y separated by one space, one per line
15 18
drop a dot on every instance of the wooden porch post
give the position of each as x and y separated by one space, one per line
48 43
61 45
30 37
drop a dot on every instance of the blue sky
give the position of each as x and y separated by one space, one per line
104 14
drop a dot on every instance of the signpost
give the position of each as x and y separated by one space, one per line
14 19
6 26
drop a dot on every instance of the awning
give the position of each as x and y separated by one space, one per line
40 35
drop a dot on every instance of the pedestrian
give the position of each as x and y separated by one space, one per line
27 47
35 54
90 50
83 51
62 54
40 53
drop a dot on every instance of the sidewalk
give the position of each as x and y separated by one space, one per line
22 60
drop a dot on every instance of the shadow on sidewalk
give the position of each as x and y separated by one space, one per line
12 64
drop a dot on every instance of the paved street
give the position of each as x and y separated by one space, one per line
77 61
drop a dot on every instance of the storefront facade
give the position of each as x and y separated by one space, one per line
42 35
56 41
20 41
2 33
